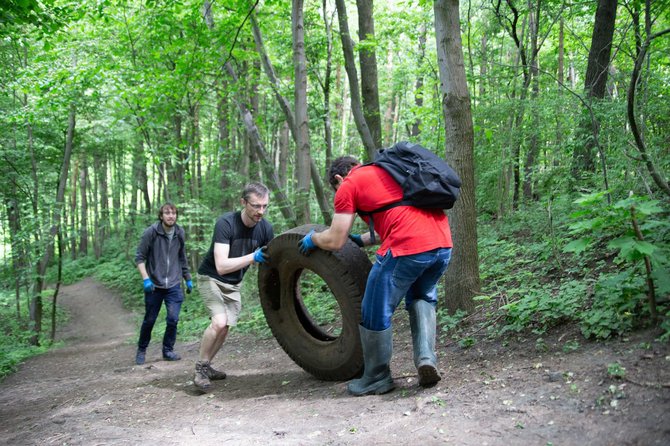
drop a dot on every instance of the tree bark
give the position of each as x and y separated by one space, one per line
637 135
530 167
352 74
74 217
368 61
18 250
462 277
83 206
326 84
595 85
102 228
254 137
290 120
560 76
41 267
418 86
302 167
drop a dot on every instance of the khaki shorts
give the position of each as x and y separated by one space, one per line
220 298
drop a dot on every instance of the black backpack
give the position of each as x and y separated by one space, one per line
427 180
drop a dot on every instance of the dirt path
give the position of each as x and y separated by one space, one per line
90 392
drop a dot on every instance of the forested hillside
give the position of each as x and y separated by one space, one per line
555 114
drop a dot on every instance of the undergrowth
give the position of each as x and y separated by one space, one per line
16 332
602 267
582 262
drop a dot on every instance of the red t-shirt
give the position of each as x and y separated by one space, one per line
405 230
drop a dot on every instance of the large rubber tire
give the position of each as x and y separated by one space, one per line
327 357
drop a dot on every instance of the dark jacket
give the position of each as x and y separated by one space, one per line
164 259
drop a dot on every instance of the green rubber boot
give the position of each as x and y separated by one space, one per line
377 352
423 324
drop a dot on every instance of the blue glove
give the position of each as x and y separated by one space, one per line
261 255
149 286
356 238
306 245
189 286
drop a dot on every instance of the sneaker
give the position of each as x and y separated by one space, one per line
140 356
171 356
201 380
212 373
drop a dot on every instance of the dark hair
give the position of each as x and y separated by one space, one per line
341 166
255 188
167 205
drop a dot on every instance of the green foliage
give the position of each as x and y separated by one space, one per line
16 333
154 109
252 319
571 346
617 305
601 286
618 299
449 321
542 309
616 370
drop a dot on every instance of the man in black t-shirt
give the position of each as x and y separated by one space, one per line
239 240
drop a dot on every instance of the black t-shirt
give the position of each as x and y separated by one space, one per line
230 230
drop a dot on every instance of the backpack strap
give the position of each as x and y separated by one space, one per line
371 221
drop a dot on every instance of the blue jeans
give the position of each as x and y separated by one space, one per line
173 298
392 278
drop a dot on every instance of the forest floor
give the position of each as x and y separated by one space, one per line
90 392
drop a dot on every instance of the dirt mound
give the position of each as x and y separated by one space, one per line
91 392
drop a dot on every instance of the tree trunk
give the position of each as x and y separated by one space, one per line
560 76
74 216
254 137
462 277
118 186
368 62
302 167
18 250
193 152
352 74
418 86
197 157
252 131
175 174
530 167
657 176
224 142
103 187
483 68
283 150
326 84
291 120
595 85
511 25
83 206
139 180
252 82
38 286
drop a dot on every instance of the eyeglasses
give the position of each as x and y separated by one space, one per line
257 206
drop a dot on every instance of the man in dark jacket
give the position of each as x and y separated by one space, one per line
161 260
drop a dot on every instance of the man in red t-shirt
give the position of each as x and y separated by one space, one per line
414 253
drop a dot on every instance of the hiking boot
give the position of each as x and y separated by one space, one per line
140 356
201 380
212 373
171 356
